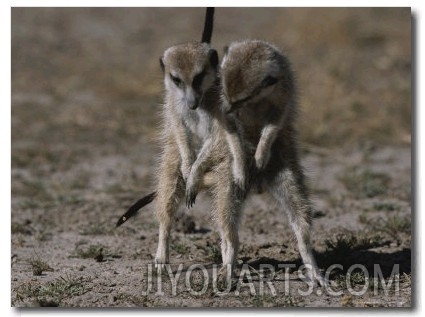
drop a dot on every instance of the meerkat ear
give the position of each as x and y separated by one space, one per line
226 49
213 57
161 62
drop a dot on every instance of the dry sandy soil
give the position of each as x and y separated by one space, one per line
86 97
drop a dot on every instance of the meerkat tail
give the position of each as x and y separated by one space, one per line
208 26
207 181
136 207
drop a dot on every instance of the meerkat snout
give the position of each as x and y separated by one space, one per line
192 98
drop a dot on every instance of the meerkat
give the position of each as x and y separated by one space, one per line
194 144
260 91
195 153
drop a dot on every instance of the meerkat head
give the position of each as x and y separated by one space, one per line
190 70
250 71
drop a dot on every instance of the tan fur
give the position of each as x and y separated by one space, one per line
266 113
195 151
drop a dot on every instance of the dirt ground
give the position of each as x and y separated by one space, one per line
86 96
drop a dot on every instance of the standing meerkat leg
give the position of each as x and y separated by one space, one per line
288 190
227 214
170 192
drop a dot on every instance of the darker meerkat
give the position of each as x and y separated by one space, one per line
259 90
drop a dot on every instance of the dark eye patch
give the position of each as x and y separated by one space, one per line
269 81
177 81
240 102
197 80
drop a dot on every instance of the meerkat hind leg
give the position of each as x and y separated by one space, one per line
169 195
228 210
290 193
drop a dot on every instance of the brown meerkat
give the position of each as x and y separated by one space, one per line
259 90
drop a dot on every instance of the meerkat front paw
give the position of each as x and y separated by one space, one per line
240 182
192 189
185 170
261 160
240 188
191 197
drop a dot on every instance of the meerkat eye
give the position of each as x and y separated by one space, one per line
269 81
197 80
177 81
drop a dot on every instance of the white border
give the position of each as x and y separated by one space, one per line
217 3
5 63
5 159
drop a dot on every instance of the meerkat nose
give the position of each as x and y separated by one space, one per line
193 104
